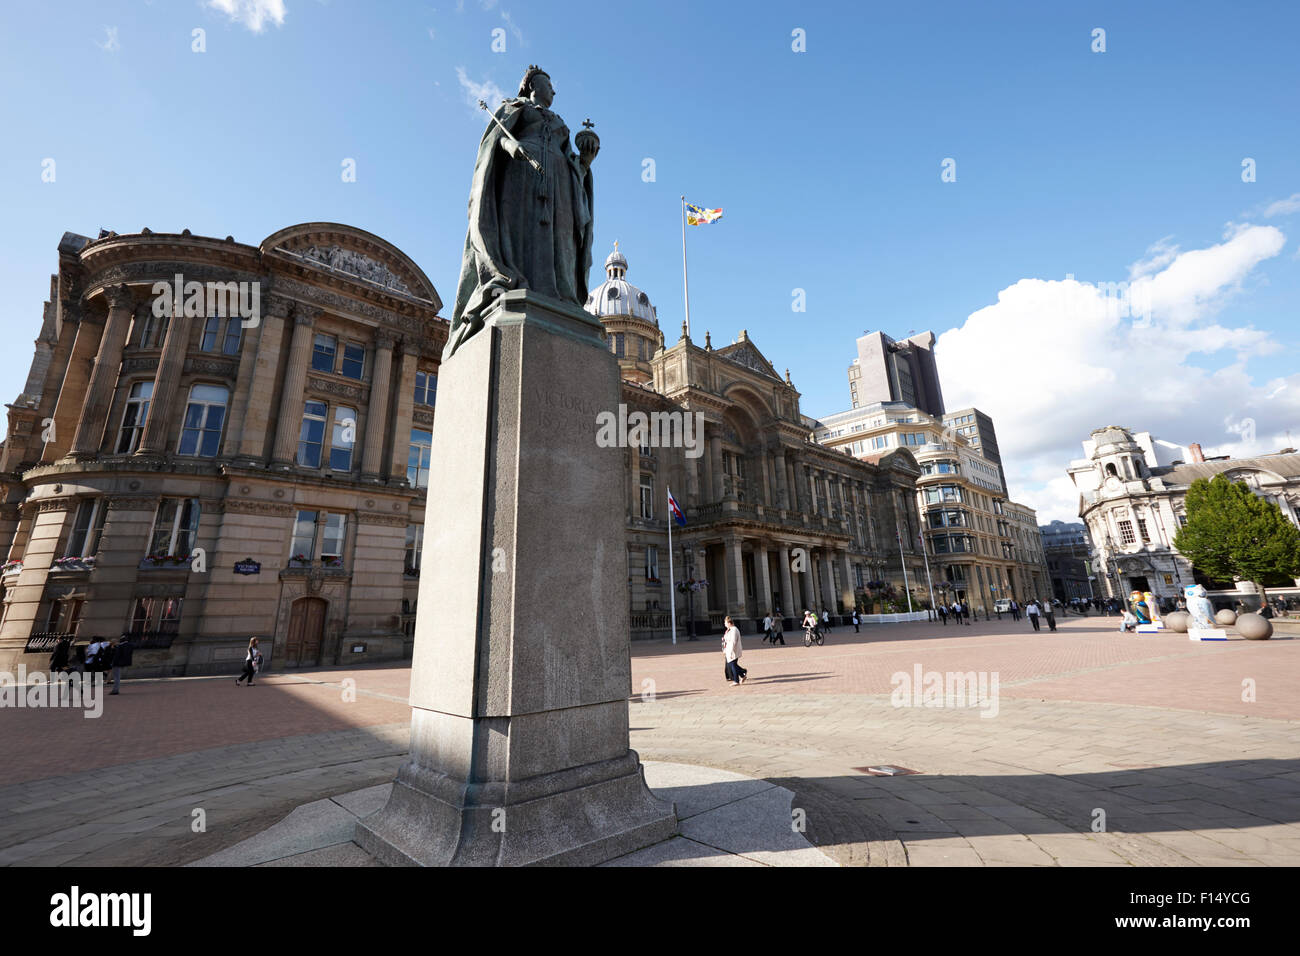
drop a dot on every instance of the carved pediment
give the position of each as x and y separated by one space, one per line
351 263
746 354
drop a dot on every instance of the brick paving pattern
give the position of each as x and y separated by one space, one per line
1152 731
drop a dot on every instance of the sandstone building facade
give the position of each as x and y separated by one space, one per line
198 478
1132 496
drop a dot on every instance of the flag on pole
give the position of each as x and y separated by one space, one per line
676 509
696 216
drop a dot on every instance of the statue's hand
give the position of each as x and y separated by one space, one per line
588 146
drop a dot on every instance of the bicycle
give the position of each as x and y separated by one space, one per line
814 634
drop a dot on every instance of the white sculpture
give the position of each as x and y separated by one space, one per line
1198 606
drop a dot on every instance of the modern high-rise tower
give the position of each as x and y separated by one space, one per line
890 371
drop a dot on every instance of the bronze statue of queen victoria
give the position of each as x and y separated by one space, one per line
530 209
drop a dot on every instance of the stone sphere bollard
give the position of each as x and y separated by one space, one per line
1227 617
1177 621
1254 628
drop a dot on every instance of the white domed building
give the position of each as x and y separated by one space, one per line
630 321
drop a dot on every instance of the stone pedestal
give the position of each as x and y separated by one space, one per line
521 671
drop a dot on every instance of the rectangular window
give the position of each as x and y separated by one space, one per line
419 457
141 614
1126 532
426 387
211 328
134 418
175 527
343 438
354 361
333 537
87 528
169 622
303 547
651 563
647 496
1142 530
147 330
204 416
312 434
234 334
414 544
324 349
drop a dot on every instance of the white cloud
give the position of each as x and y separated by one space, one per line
253 14
510 22
1283 207
487 91
1053 359
110 44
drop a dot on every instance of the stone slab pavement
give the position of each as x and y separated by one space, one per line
1098 749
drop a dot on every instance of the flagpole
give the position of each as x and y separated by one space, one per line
686 285
672 578
903 561
928 580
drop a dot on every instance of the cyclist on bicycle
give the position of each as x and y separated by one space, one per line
809 626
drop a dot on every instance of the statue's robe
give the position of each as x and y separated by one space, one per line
526 230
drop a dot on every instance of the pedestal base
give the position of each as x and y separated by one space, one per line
576 817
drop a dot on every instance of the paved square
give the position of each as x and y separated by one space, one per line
1103 749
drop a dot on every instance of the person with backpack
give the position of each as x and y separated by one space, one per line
809 626
943 614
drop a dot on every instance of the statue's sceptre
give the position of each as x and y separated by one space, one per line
514 142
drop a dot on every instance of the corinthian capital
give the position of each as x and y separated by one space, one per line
119 297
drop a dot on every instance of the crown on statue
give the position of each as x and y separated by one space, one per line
532 71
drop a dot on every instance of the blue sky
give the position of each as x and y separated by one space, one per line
827 163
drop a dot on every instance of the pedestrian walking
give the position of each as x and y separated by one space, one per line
59 656
956 612
253 662
1050 615
778 629
1015 611
826 619
731 653
1031 612
965 613
768 634
122 652
943 614
856 629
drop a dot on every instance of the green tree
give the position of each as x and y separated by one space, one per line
1233 533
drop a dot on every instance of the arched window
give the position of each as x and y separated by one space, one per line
1110 470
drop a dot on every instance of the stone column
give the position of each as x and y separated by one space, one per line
715 460
103 378
795 494
402 411
162 404
634 459
828 580
806 577
706 465
764 580
372 453
259 410
734 568
848 594
289 425
692 466
788 599
764 466
782 481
